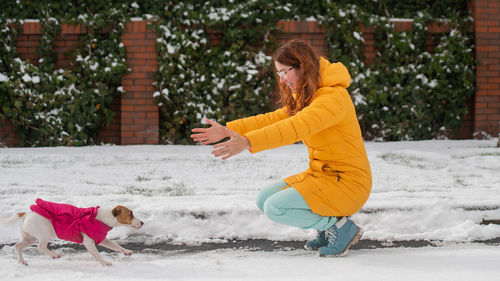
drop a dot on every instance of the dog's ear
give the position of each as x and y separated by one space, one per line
116 211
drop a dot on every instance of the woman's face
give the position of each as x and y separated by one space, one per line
287 74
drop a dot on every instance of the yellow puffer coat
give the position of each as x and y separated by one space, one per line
338 180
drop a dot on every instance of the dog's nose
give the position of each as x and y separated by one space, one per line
142 223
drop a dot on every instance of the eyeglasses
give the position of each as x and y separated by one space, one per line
283 73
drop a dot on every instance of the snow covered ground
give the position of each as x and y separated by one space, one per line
429 190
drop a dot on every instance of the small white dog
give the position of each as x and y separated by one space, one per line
88 226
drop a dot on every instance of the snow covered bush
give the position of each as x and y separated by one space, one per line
409 92
52 106
214 61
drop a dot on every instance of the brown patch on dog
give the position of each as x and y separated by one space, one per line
21 214
123 214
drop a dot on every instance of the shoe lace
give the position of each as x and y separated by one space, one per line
320 235
331 235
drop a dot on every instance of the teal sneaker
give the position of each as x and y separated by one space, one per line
316 243
341 236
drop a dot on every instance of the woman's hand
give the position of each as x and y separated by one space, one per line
212 134
229 148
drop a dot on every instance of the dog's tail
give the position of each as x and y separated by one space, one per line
12 219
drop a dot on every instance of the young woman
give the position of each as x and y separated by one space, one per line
317 110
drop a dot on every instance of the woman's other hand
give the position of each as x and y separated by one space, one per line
212 134
229 148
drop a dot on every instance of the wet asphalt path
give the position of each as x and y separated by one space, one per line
258 245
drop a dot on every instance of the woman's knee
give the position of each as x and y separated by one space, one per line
272 210
281 202
267 192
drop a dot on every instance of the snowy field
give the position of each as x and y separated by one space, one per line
442 191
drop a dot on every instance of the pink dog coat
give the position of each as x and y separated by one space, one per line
70 222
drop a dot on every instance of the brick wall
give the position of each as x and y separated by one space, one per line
487 36
137 118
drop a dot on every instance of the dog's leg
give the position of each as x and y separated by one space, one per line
89 244
26 241
42 248
115 247
39 227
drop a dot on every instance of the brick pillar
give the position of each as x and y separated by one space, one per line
309 31
139 111
487 32
7 135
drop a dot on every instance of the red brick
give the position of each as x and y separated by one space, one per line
494 4
493 95
136 114
490 86
143 68
125 133
487 48
136 50
153 140
486 23
481 105
132 141
153 114
125 108
131 76
126 121
133 36
495 105
127 82
141 121
146 54
129 100
141 27
143 82
481 117
136 61
134 88
152 62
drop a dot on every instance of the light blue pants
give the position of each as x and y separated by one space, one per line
289 207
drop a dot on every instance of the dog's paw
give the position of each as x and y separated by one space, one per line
57 256
107 263
23 262
128 252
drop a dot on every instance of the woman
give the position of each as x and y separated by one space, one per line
317 110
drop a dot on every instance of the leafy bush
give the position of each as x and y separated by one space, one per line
224 80
50 106
408 93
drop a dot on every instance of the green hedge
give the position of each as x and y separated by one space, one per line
50 106
408 93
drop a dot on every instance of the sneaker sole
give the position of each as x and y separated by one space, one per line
310 249
344 252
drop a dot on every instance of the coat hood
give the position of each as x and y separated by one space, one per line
333 74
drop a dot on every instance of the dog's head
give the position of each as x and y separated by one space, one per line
125 216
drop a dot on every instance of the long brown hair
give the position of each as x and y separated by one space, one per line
301 56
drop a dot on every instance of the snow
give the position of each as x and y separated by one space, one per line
3 78
438 190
